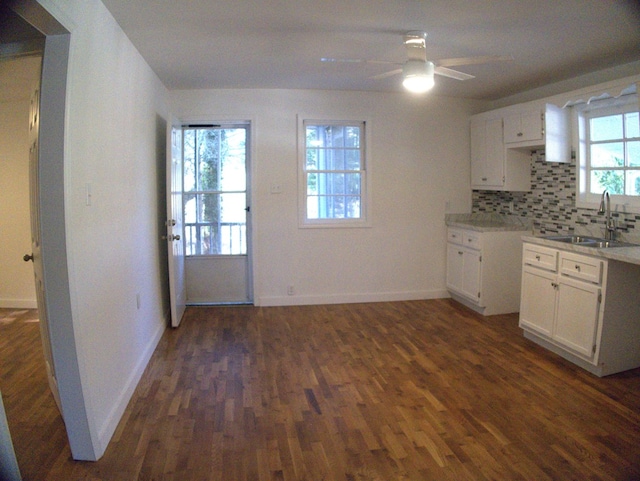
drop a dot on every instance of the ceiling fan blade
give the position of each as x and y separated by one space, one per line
357 61
391 73
342 60
447 72
456 62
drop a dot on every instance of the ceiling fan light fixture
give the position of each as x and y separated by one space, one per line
417 76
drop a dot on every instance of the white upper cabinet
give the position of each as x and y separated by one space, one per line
492 166
545 128
487 153
524 126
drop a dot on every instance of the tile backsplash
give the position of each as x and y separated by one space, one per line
551 203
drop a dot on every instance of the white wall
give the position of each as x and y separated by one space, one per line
16 278
419 161
115 143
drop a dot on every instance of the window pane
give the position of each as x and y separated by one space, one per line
326 207
633 182
190 240
353 160
633 153
611 180
190 208
334 136
353 183
632 124
312 184
330 183
606 128
331 159
607 155
189 165
208 155
312 159
208 207
353 207
352 137
232 208
233 175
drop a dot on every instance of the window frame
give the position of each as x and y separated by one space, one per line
365 170
582 113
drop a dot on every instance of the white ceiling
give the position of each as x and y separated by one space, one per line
193 44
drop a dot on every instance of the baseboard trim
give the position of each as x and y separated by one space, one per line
267 301
109 427
18 304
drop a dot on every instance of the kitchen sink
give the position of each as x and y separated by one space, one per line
585 241
571 239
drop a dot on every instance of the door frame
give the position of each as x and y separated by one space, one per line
249 124
57 296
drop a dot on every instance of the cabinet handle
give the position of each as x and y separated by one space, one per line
460 253
538 258
577 267
470 239
484 179
520 134
554 285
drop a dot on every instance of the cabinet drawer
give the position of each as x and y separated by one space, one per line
472 240
455 236
581 267
540 256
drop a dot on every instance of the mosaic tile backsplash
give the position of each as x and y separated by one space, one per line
551 204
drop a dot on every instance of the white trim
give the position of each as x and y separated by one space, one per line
18 304
584 199
317 299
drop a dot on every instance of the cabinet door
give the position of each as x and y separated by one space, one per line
487 153
523 127
455 256
538 300
577 316
471 270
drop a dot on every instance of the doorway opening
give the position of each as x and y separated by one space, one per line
216 206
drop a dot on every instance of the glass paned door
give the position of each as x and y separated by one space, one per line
216 213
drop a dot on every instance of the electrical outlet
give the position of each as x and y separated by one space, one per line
290 290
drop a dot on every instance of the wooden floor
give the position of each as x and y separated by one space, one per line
420 390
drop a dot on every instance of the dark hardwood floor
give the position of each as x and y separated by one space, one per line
419 390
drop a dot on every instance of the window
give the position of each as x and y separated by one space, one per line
215 190
609 154
333 170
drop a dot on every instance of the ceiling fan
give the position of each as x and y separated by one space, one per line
417 71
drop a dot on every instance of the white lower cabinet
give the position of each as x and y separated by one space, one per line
569 305
558 302
483 269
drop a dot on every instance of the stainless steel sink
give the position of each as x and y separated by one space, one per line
600 244
585 241
571 239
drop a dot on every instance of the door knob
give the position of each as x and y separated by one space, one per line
171 237
27 257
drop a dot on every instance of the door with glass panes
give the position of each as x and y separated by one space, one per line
217 213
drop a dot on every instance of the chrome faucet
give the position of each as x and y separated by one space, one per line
610 226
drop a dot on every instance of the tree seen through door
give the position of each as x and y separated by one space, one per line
215 194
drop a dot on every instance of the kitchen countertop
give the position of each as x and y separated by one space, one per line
629 254
487 222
